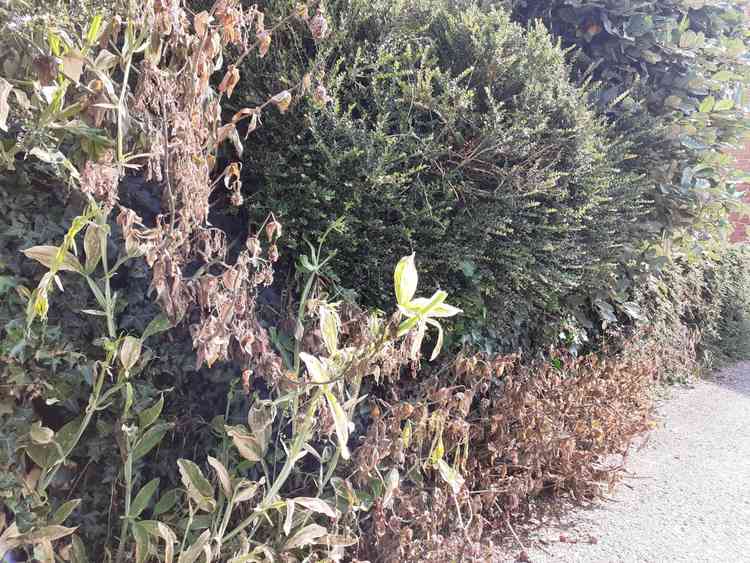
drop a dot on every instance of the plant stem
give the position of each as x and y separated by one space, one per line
109 309
300 440
128 494
90 410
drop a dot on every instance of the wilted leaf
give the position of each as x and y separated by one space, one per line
46 256
450 476
142 542
194 551
289 519
222 474
315 368
329 328
49 533
92 246
130 351
245 490
198 487
247 444
231 78
72 66
305 536
341 423
391 485
316 505
41 434
5 89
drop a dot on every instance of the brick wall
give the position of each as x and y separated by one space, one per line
742 223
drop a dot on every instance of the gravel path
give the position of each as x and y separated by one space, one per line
687 493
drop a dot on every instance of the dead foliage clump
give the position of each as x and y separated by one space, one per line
481 439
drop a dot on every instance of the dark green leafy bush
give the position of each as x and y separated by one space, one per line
456 134
673 74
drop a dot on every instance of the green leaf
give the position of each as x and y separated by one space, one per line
158 324
707 104
341 423
405 280
199 489
94 27
143 497
148 416
64 511
166 502
724 105
150 439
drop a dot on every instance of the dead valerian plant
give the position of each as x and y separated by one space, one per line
132 90
472 447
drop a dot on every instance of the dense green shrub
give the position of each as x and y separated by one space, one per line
676 69
456 134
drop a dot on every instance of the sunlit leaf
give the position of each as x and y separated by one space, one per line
405 280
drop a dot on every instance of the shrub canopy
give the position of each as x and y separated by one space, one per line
455 133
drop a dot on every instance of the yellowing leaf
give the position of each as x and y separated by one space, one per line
5 89
305 536
223 475
341 423
315 368
405 280
198 488
247 444
317 505
450 476
130 351
48 256
329 328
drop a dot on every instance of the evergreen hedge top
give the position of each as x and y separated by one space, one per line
455 133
